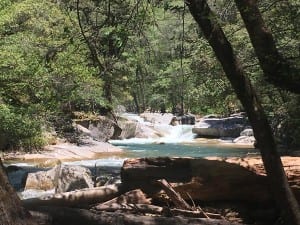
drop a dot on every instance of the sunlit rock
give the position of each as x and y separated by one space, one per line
247 132
158 118
62 178
249 140
72 178
42 180
220 127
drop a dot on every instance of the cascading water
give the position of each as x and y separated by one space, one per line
167 133
170 141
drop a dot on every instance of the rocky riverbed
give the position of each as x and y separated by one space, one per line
65 152
234 188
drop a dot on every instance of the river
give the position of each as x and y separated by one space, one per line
175 141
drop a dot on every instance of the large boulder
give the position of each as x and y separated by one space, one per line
128 129
220 127
247 132
246 137
142 127
157 118
244 140
72 178
42 180
145 131
100 128
62 178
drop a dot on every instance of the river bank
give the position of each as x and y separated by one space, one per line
234 188
65 152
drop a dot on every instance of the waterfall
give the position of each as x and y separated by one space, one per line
166 133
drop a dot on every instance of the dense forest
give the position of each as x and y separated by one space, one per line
61 57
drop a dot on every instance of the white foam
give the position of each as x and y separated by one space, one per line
33 193
111 161
171 134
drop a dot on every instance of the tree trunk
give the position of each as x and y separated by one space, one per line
276 69
214 34
205 180
107 87
66 216
11 210
78 198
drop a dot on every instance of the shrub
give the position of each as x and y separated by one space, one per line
18 131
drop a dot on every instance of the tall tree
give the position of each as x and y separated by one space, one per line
277 69
246 93
106 28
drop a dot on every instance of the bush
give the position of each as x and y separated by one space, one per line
18 131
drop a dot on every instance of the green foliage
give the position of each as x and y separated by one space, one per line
42 68
144 57
18 130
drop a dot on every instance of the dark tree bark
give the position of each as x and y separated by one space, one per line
64 216
277 70
11 211
240 82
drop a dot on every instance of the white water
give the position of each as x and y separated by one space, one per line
108 162
169 134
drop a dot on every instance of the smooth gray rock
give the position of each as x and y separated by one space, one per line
72 178
244 140
62 178
42 180
247 132
220 127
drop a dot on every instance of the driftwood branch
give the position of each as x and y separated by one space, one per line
153 209
133 208
79 198
173 195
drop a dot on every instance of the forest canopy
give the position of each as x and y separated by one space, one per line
58 57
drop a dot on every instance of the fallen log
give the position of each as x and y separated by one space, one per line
66 216
199 179
133 208
128 198
79 198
